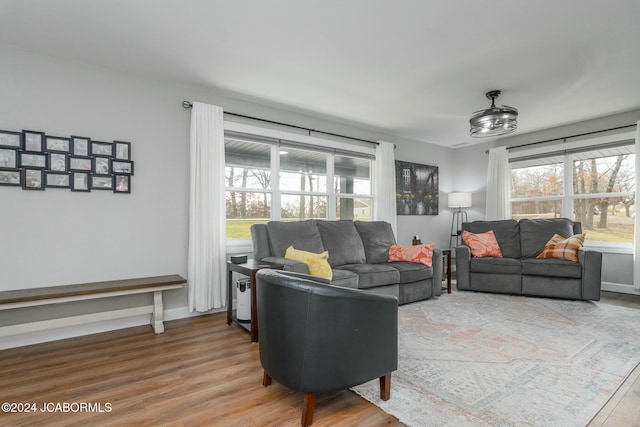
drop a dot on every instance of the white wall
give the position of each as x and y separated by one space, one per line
472 164
57 237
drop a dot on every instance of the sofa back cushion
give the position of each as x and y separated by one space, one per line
377 237
535 233
342 241
302 235
506 231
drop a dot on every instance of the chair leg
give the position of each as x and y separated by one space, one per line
307 409
385 386
266 379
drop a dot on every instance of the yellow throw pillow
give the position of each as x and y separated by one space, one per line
559 247
318 264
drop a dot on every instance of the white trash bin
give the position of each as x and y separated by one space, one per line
243 299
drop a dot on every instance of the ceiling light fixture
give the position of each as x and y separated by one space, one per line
494 120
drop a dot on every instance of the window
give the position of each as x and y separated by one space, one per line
593 185
273 180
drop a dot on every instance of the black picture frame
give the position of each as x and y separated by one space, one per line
33 140
11 177
80 164
102 182
58 162
122 167
98 148
80 146
8 158
57 144
80 181
101 165
121 150
58 180
9 139
121 183
33 160
32 179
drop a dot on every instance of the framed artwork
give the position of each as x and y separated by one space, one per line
10 177
33 141
57 144
122 167
33 160
11 139
80 181
101 165
58 162
122 184
416 189
101 149
58 180
8 158
122 150
80 163
33 179
101 182
80 146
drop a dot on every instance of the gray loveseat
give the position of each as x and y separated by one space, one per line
519 271
358 256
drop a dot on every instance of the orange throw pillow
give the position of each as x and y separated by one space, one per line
559 247
482 244
417 253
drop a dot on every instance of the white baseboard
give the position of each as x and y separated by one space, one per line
620 288
55 334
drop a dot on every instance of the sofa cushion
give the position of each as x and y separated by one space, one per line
482 244
559 247
344 279
551 267
342 241
372 275
303 235
495 265
535 233
412 272
506 231
422 254
377 237
318 264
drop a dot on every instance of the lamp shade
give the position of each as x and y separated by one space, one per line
459 200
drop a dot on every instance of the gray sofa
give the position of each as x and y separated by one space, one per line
358 256
519 271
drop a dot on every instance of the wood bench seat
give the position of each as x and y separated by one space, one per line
84 291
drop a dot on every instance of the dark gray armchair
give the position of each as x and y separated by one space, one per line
318 338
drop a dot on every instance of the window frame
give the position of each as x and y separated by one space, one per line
278 139
569 196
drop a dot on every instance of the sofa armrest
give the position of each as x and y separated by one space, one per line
289 264
591 262
463 261
437 272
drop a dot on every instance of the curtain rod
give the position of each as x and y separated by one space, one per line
187 105
567 137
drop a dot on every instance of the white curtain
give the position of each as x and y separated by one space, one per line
207 232
384 176
636 239
498 185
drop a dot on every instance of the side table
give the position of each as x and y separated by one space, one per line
447 254
249 268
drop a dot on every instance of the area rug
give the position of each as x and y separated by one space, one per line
475 359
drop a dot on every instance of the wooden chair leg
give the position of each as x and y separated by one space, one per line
385 387
307 409
266 379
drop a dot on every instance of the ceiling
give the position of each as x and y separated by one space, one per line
410 68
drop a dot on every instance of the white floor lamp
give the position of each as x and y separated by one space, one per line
458 201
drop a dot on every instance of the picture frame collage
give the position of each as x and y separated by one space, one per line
34 160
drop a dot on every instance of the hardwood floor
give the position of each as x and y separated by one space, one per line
200 372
